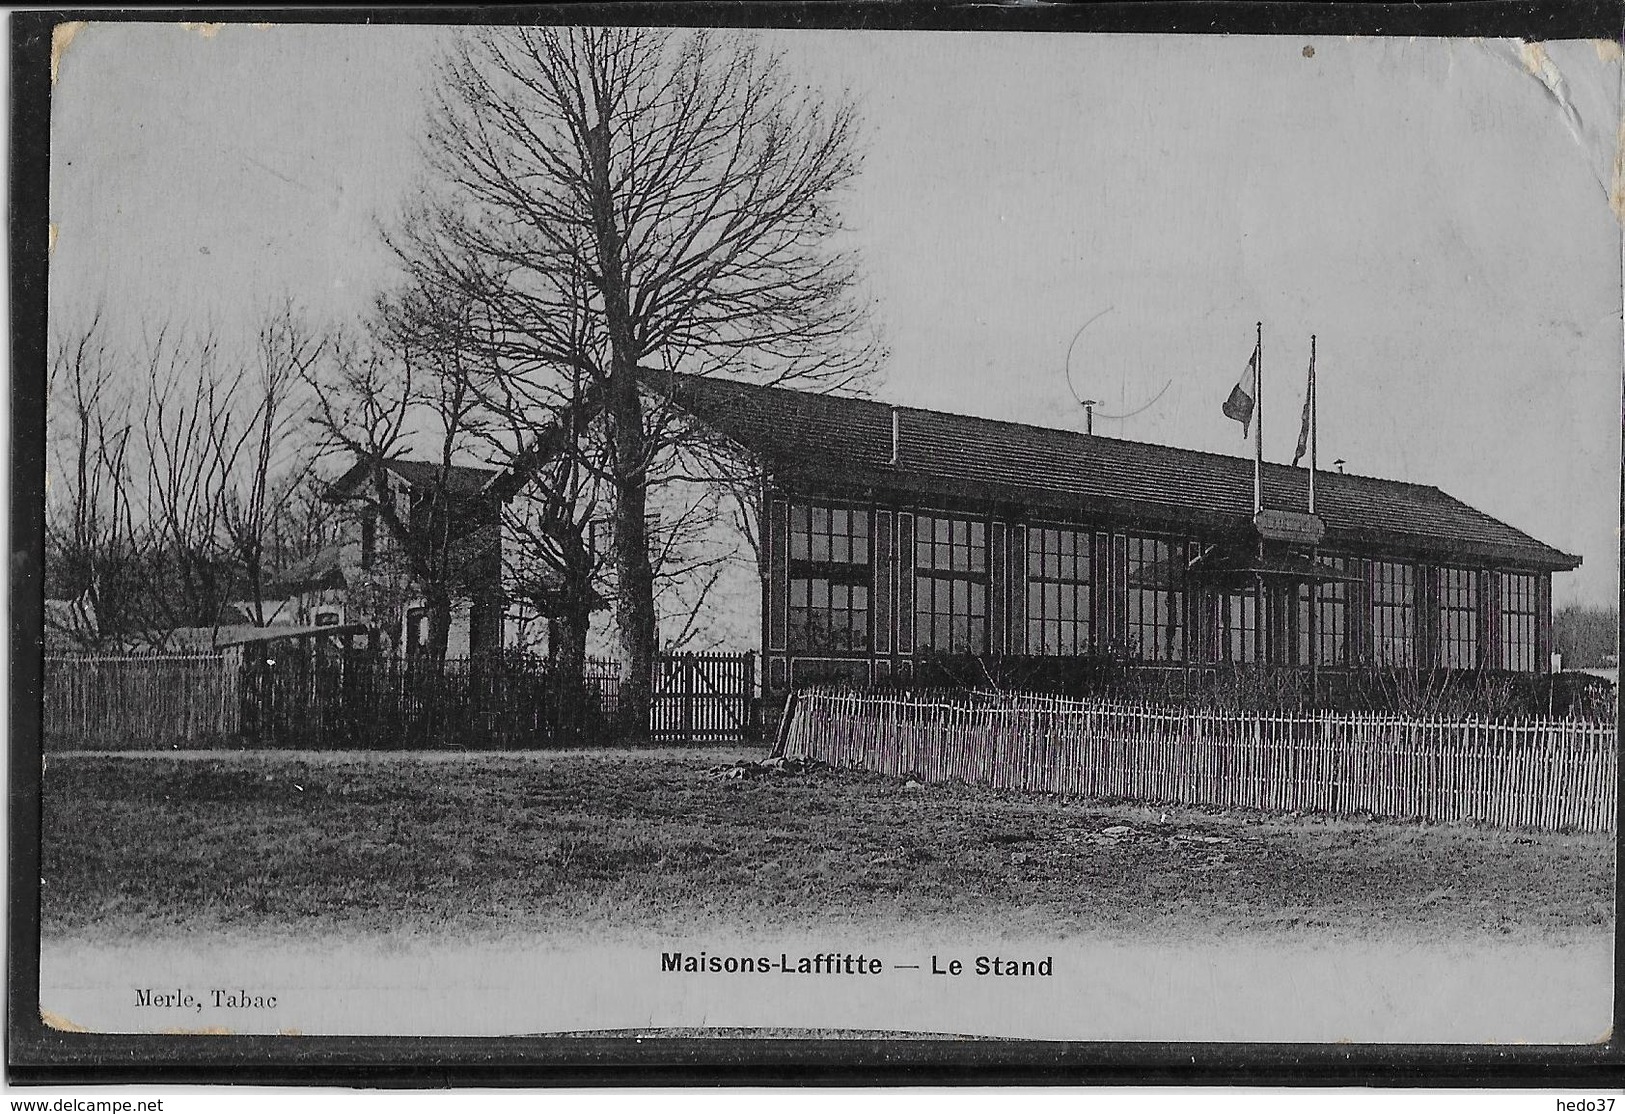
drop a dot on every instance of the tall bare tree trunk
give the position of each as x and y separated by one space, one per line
567 630
634 572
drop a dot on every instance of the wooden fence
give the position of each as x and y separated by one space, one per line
704 697
141 701
329 699
332 701
1543 774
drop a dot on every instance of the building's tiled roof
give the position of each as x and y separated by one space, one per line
823 438
322 569
460 478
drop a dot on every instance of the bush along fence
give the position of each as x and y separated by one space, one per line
1543 774
334 699
139 701
364 701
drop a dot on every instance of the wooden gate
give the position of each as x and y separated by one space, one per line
704 698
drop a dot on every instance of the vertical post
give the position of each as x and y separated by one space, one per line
753 722
1314 424
1261 638
1314 587
1314 551
1258 421
691 690
1260 607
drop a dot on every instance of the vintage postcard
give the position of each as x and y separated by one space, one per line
779 532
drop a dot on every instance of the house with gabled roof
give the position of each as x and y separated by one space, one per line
889 533
366 577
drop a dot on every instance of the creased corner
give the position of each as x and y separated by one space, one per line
61 36
1540 65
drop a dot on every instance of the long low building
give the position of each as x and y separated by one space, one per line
891 532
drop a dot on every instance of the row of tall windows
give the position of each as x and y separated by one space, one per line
830 576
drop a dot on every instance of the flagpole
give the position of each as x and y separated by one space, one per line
1260 611
1314 432
1315 586
1258 422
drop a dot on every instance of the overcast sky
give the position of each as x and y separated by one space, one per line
1435 210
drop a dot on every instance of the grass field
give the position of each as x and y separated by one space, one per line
585 841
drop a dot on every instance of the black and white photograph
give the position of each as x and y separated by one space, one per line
651 531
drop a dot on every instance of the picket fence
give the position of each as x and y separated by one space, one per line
141 700
1549 775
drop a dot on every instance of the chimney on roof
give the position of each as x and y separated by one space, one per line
896 436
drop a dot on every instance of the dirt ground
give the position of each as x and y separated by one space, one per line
491 844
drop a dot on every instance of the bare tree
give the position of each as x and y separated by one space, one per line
170 462
93 559
273 463
1586 636
371 399
193 438
625 202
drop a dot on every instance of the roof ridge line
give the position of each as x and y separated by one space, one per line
1289 468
